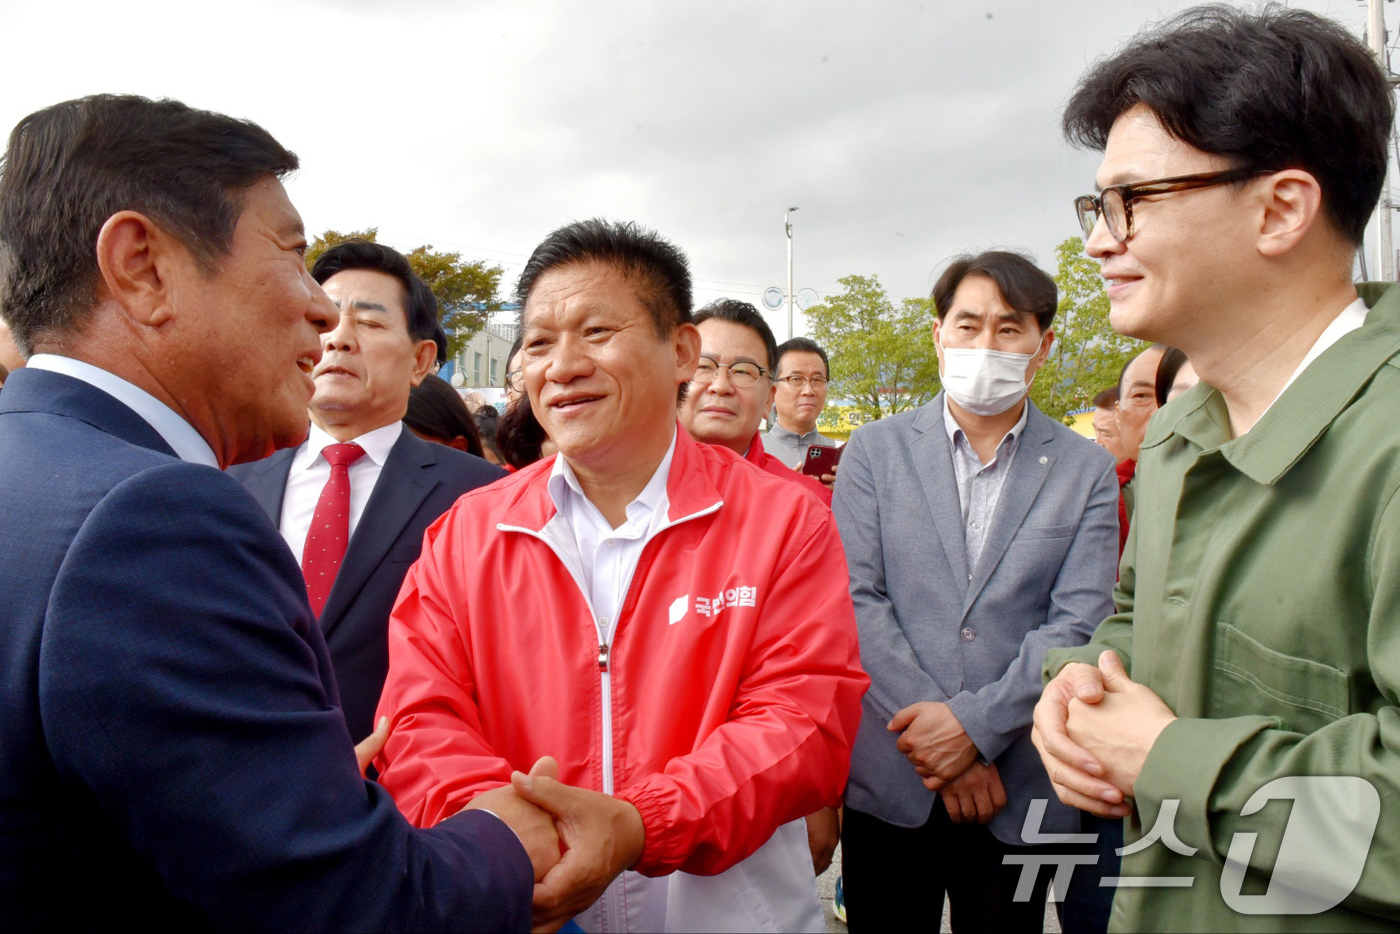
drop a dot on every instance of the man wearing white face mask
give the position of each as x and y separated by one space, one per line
979 533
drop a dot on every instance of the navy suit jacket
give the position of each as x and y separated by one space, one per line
419 482
173 755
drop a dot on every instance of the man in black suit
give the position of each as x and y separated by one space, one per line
398 483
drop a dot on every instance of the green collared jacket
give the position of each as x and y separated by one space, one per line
1260 599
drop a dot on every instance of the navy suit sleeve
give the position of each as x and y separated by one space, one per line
184 684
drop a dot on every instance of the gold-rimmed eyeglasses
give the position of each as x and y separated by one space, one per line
743 374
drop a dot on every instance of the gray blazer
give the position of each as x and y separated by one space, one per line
933 629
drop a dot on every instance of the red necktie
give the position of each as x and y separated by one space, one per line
330 526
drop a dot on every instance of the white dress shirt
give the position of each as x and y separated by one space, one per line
310 471
188 444
608 556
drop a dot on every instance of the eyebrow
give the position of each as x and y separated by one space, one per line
716 357
360 304
1011 316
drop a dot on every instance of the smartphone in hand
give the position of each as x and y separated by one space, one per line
820 460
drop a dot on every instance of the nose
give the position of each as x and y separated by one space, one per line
721 385
1101 243
566 360
322 313
340 335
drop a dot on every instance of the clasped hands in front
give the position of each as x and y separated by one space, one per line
1094 727
944 756
578 840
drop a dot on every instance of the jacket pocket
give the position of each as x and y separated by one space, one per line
1040 533
1251 678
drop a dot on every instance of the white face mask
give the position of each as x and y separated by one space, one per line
985 382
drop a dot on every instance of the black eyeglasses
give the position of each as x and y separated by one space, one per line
797 382
1115 203
742 375
515 379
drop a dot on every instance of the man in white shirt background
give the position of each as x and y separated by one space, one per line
356 544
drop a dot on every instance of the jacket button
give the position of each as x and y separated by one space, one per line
968 635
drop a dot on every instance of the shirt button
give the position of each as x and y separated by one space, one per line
976 526
604 621
612 543
968 635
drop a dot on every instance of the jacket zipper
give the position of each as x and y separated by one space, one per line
611 909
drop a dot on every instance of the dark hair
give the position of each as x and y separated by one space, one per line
4 373
1106 399
487 420
656 269
435 410
1022 284
800 345
420 305
71 166
519 435
1167 368
440 338
1276 89
729 309
514 349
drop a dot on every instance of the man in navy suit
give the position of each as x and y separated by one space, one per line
398 483
174 754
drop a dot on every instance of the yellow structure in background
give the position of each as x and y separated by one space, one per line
840 418
1083 422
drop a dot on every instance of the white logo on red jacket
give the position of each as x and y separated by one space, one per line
734 596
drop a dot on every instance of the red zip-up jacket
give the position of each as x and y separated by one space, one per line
764 461
725 705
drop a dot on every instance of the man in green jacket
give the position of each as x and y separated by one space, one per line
1255 654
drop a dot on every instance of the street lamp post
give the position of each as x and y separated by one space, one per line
787 226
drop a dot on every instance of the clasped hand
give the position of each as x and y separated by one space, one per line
931 737
1094 727
578 840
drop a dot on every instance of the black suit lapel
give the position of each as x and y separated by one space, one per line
403 484
1029 469
267 481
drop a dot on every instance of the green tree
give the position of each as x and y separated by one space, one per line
1087 354
465 290
882 356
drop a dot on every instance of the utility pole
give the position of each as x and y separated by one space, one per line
1385 264
792 299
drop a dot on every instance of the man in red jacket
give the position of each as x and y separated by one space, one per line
733 387
672 627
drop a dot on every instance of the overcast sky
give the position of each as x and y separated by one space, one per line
905 132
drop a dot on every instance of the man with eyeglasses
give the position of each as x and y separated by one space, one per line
732 390
803 372
1256 648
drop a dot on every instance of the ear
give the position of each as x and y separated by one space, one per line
459 442
424 356
1292 202
687 344
1041 355
772 395
139 264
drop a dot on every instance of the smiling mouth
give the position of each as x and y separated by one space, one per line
306 363
572 403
